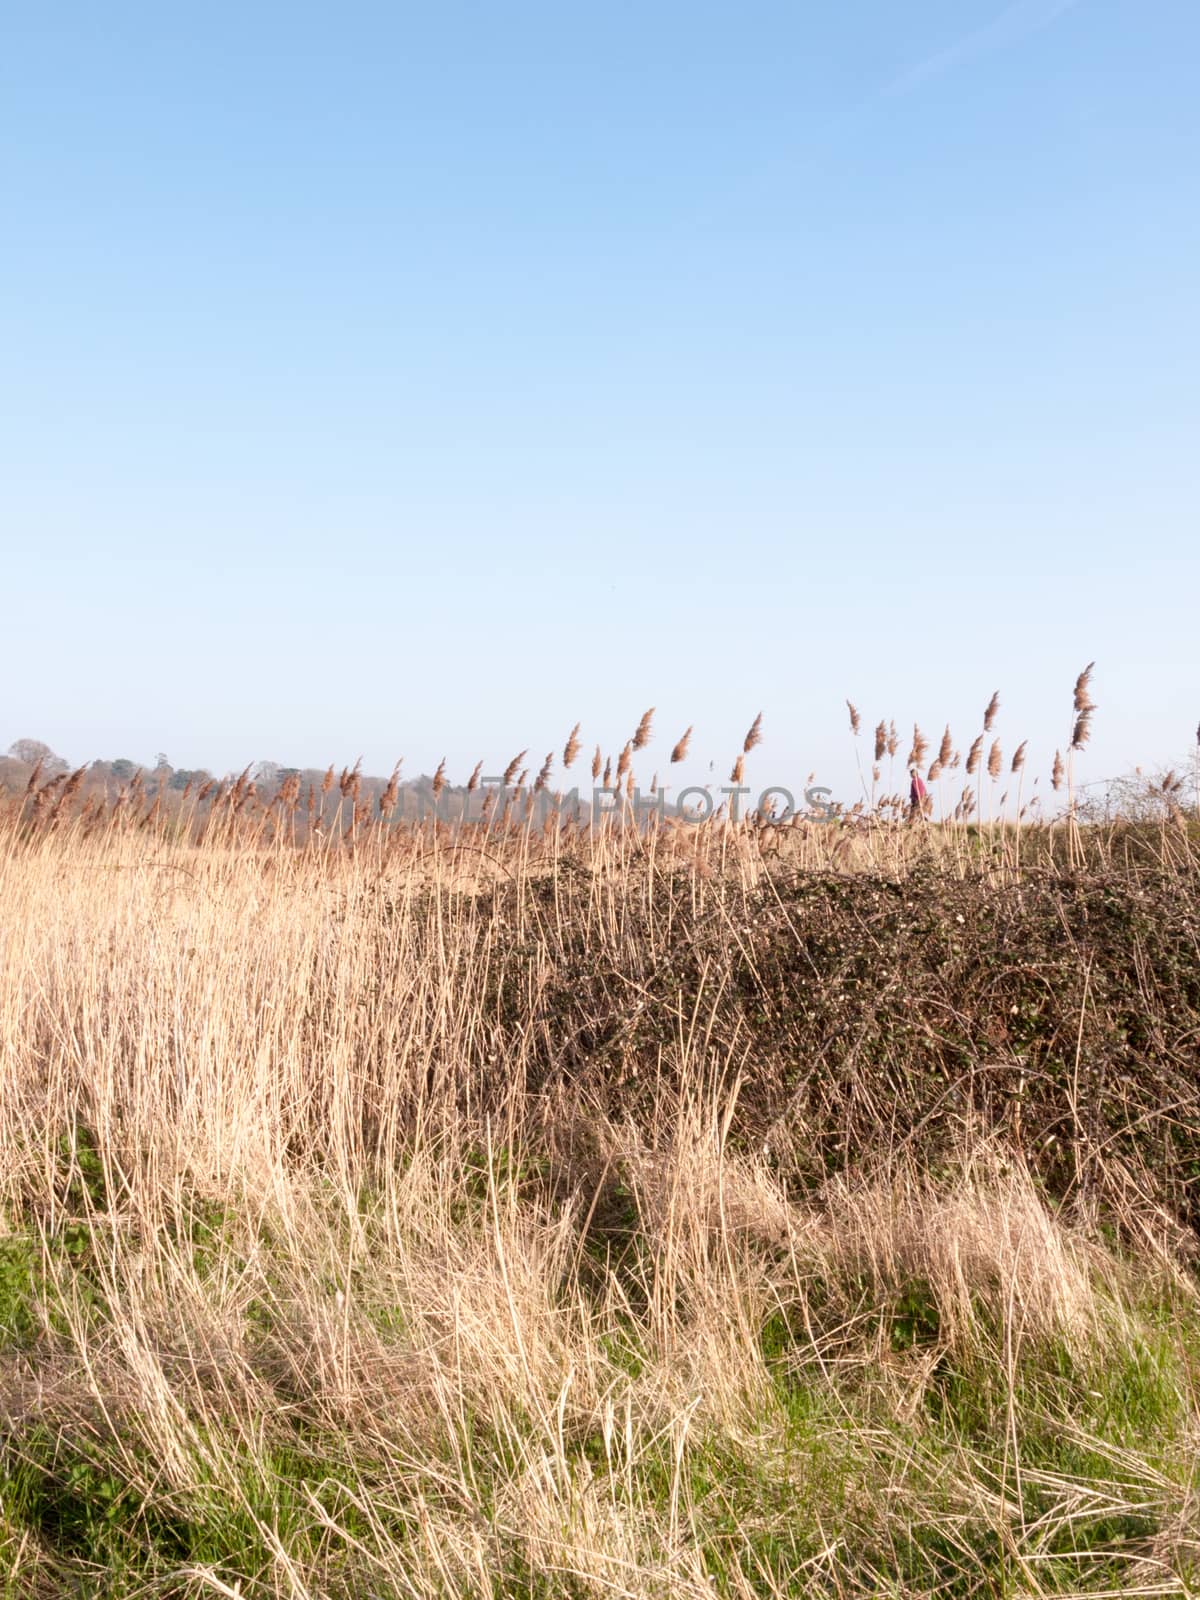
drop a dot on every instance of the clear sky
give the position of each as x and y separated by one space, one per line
389 378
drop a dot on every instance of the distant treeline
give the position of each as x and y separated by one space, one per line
320 791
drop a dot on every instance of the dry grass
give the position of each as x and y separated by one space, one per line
521 1211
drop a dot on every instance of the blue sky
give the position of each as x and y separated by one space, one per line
386 379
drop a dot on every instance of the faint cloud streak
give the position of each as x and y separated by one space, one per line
1015 22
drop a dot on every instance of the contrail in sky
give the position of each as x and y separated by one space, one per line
1015 22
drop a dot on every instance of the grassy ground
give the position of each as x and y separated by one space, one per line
628 1223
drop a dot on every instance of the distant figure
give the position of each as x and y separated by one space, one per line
917 796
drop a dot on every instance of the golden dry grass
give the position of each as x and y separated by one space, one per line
311 1290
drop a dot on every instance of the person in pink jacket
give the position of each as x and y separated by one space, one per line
917 795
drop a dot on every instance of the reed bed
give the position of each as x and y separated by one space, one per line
498 1208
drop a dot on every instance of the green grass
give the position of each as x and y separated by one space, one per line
825 1489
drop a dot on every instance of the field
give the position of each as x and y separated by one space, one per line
725 1210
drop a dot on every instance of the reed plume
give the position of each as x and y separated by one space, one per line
512 768
543 777
387 800
70 787
641 737
855 719
473 780
1018 760
945 749
880 740
439 778
739 767
973 755
754 736
989 715
681 748
571 748
994 760
920 748
624 759
893 740
1056 776
596 764
1083 698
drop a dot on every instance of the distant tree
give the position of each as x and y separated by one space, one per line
122 769
31 751
1141 796
182 776
13 775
